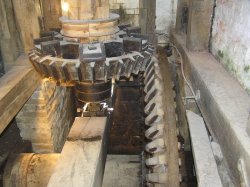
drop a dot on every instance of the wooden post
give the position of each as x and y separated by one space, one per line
51 12
10 42
199 24
147 17
180 15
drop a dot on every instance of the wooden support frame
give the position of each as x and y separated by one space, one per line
16 86
199 24
180 15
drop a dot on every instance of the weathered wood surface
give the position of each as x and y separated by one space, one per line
170 129
179 26
51 12
16 86
205 164
10 42
199 24
83 157
27 14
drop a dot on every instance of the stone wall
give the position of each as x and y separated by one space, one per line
231 38
46 118
129 10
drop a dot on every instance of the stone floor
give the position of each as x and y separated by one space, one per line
122 170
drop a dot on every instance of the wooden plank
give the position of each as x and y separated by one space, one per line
51 12
82 160
16 87
205 164
199 24
170 129
86 129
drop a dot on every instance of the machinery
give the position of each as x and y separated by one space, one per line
90 52
96 56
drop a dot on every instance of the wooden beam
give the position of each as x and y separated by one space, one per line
82 160
205 164
10 42
27 14
179 26
16 86
51 12
199 24
171 141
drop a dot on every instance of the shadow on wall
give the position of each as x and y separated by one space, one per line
1 65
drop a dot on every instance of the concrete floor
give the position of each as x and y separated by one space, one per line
122 170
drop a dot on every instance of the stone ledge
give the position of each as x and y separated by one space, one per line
224 104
